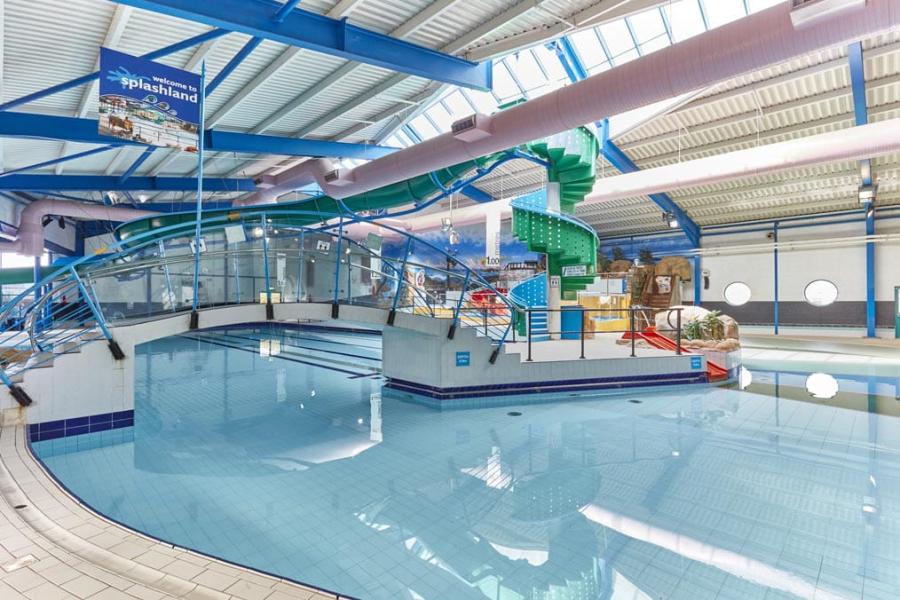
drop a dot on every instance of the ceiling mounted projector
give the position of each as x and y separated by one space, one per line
806 12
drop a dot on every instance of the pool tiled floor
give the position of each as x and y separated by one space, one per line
52 548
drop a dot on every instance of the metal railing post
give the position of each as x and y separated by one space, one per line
169 291
631 308
337 269
301 271
528 322
98 317
678 333
484 319
462 295
582 333
270 311
401 279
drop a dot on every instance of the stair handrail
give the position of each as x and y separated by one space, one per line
118 254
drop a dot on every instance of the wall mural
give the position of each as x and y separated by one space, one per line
514 264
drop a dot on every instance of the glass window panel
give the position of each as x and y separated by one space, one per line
588 47
423 128
647 25
618 40
405 140
440 117
395 142
551 65
684 19
757 5
720 12
458 105
484 102
737 293
527 70
655 44
505 87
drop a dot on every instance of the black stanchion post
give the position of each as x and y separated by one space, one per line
582 333
678 333
528 319
632 332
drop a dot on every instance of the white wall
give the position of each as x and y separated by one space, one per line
844 266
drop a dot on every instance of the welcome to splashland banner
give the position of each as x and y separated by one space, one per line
148 102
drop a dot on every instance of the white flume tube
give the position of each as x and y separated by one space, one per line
856 143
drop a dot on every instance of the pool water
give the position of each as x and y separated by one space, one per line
278 449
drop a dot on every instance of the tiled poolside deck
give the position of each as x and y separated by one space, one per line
53 548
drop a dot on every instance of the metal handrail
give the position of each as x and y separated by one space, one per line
34 324
632 330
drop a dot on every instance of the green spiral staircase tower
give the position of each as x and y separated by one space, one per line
567 241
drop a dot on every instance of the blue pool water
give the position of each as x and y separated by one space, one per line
279 450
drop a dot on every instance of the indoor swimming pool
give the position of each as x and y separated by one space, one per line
279 449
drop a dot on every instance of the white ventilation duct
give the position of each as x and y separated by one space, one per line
30 238
856 143
743 46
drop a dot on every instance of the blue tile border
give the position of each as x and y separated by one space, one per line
580 385
51 430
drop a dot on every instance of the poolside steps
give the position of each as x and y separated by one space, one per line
539 325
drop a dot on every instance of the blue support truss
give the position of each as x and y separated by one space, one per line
92 183
72 129
861 114
305 29
574 68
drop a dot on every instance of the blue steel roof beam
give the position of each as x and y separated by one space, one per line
89 183
319 33
28 125
251 45
56 161
236 60
171 49
620 161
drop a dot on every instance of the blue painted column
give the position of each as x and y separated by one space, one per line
870 270
861 115
698 281
775 294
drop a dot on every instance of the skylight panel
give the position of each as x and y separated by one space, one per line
527 70
505 87
552 67
587 44
457 104
685 19
618 41
440 117
758 5
484 102
720 12
423 127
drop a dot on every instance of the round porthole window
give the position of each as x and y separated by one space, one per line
737 293
822 386
820 292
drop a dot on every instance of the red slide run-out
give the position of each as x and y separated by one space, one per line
649 335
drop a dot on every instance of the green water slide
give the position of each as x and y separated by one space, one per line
565 240
414 190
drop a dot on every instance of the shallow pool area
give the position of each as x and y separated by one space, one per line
277 448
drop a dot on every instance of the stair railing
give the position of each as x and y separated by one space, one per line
137 280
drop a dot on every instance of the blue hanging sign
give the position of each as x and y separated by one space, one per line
696 362
462 359
148 102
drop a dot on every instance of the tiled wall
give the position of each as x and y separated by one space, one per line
51 430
